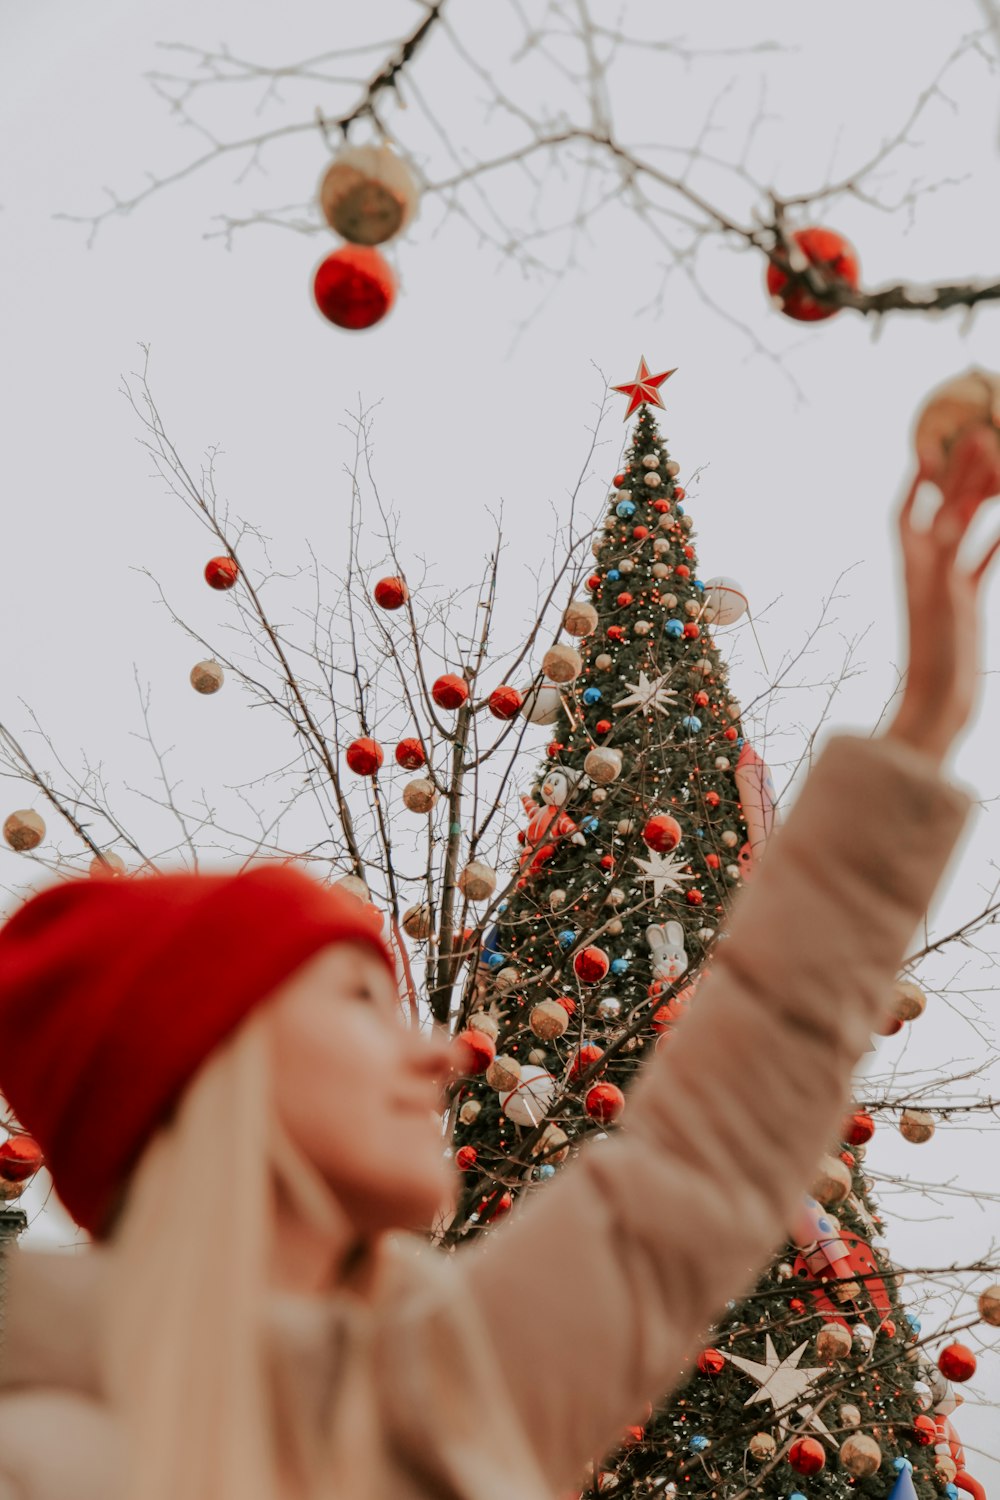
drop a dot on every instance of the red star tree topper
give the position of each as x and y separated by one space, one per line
644 389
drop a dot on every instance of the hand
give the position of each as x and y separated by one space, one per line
942 598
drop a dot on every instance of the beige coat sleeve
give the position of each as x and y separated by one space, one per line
596 1293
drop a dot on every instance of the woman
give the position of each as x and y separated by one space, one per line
217 1073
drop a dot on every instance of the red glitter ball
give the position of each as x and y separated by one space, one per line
594 581
354 287
501 1206
591 964
957 1362
807 1456
603 726
682 570
410 755
618 481
701 699
504 701
615 633
858 1128
692 631
924 1431
662 833
364 756
450 691
568 1004
679 492
604 1102
661 505
221 572
623 601
837 260
465 1158
607 862
712 860
711 1362
391 593
474 1051
585 1058
640 532
731 733
693 898
713 799
689 552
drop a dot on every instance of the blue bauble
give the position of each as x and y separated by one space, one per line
613 575
567 938
951 1490
691 723
592 695
796 1495
590 825
496 960
502 905
699 833
697 583
914 1322
739 743
680 509
698 1443
546 1170
674 629
899 1464
625 508
619 966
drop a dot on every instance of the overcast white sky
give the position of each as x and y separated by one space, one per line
803 455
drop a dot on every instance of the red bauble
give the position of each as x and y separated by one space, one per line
661 506
682 570
806 1456
450 691
604 1102
603 726
796 1305
607 861
568 1004
679 492
585 1058
354 287
591 965
924 1431
712 861
711 1362
364 756
474 1051
731 733
640 533
618 481
498 1208
410 755
615 633
504 702
662 833
957 1362
555 746
391 593
465 1158
689 552
20 1158
712 799
833 256
594 581
693 898
858 1128
221 572
701 700
691 631
623 601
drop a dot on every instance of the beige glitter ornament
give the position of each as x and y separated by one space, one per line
687 522
603 663
616 896
503 1073
989 1305
909 1000
580 617
653 480
849 1415
553 1144
597 545
548 1020
207 677
603 764
622 494
610 523
660 570
626 565
477 881
661 546
673 468
692 607
860 1455
651 461
24 830
722 762
420 794
481 1020
417 922
704 666
762 1447
557 899
670 601
110 866
832 1182
967 401
946 1467
469 1113
916 1126
536 1056
508 979
368 194
732 872
562 664
353 885
614 927
833 1342
626 826
666 521
729 838
642 627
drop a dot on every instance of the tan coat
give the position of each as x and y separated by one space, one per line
499 1371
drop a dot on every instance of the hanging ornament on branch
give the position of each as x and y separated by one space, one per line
221 572
833 257
354 287
207 677
24 830
368 194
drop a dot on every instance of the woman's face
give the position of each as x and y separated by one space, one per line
360 1090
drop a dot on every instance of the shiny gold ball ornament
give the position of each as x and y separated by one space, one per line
553 1144
24 830
849 1415
368 194
909 1001
420 794
507 979
580 618
833 1342
968 401
989 1305
860 1455
603 764
673 468
417 921
562 664
762 1447
916 1126
110 866
207 677
477 881
832 1182
481 1020
548 1020
604 662
946 1467
660 570
353 885
503 1073
469 1113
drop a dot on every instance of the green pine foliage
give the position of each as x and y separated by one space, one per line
581 885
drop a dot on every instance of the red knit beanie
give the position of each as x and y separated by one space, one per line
114 992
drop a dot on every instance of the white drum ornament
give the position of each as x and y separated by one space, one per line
528 1102
916 1126
477 881
542 704
969 400
603 764
419 795
24 830
368 194
207 677
580 617
727 599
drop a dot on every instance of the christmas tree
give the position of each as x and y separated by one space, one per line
650 810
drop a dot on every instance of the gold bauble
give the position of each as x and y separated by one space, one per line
109 866
562 664
553 1144
11 1191
989 1305
420 794
207 677
469 1112
669 601
580 618
353 885
548 1020
603 764
946 1467
24 830
503 1073
481 1020
832 1182
860 1455
660 570
603 663
969 400
849 1415
477 881
507 979
916 1125
761 1447
909 1000
368 194
417 922
833 1342
556 900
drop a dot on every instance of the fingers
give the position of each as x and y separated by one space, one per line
906 509
973 473
979 573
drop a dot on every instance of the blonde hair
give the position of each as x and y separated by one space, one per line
184 1350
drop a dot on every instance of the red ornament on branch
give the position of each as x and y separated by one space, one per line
474 1051
410 755
711 1362
505 702
604 1102
924 1431
354 287
391 593
858 1128
806 1456
836 260
591 965
221 572
957 1362
465 1158
20 1158
364 756
585 1058
662 833
450 691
